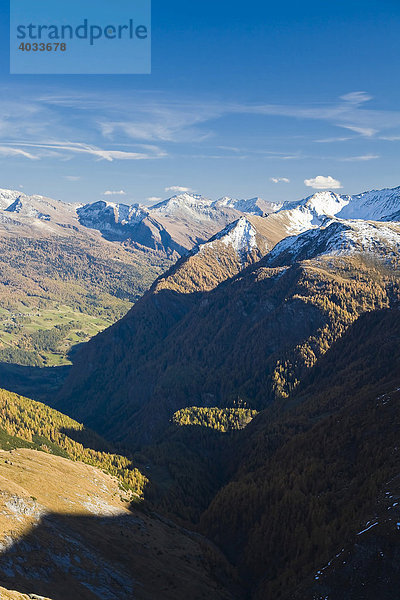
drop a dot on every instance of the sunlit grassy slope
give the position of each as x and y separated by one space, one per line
25 423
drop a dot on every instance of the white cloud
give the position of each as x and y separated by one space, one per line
323 183
334 139
154 199
178 189
114 193
97 129
390 138
72 177
279 180
190 120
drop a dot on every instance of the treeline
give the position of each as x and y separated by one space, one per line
49 430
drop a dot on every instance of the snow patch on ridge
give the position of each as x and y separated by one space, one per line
254 206
312 211
337 236
191 206
376 205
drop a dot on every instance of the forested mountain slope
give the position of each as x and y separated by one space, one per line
253 337
317 472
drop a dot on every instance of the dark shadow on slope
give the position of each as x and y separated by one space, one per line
38 383
88 439
312 473
174 350
186 468
68 557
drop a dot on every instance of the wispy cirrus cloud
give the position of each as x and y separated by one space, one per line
150 118
8 151
332 140
181 121
362 158
67 148
390 138
364 131
152 123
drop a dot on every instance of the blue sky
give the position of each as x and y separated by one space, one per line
244 99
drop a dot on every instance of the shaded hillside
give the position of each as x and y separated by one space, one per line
175 294
369 568
311 476
253 337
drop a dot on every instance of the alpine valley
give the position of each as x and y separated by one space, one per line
215 384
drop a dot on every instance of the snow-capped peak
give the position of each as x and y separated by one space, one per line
326 203
307 213
240 235
105 215
180 201
311 212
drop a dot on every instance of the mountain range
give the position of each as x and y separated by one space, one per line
80 268
273 314
68 271
250 395
172 226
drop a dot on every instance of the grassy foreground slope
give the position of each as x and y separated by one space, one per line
67 532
